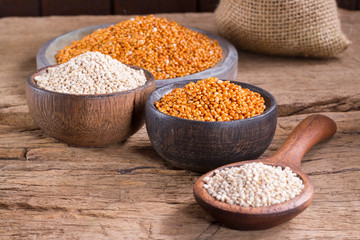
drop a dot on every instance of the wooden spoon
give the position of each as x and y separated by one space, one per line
309 132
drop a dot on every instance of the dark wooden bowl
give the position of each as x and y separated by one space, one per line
201 146
88 120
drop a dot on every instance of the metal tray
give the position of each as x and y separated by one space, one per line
225 69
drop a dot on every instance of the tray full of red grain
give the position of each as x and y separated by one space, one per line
170 51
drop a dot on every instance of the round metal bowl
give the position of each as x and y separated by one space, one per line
226 68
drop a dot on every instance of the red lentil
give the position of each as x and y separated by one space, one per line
163 47
212 100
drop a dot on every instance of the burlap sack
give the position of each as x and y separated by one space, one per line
309 28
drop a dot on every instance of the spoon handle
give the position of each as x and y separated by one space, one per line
312 130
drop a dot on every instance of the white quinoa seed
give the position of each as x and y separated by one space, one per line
254 185
91 73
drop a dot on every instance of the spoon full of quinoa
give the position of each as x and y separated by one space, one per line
263 193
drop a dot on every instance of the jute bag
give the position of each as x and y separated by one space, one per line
309 28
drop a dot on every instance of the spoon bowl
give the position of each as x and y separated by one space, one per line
253 218
309 132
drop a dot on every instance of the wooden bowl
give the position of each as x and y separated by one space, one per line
88 120
201 146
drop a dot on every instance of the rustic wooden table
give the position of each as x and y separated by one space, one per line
126 191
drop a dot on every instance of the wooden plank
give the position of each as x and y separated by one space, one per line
347 4
78 7
154 6
19 8
207 5
49 190
57 191
210 5
68 7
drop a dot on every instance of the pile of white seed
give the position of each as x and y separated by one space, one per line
254 185
91 73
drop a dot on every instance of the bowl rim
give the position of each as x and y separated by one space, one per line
171 86
150 80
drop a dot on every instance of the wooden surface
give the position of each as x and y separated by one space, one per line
348 4
19 8
124 7
126 191
105 7
207 5
153 6
75 7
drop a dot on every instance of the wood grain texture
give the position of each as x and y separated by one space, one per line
67 7
49 190
78 7
207 5
348 4
19 8
154 6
